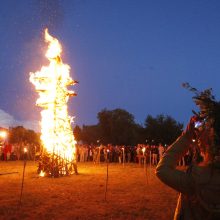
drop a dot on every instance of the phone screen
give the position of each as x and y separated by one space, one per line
198 124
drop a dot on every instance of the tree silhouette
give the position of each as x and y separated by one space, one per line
162 129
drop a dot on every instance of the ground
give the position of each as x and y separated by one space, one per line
133 192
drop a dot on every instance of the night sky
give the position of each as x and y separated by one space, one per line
129 54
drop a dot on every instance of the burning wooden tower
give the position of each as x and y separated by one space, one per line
59 152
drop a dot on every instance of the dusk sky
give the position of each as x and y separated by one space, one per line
129 54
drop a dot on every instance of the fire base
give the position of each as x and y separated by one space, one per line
53 165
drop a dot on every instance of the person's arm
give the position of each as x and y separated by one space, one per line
166 169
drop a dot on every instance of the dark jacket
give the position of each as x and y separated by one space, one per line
199 187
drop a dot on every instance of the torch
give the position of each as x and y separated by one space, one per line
145 167
106 183
123 155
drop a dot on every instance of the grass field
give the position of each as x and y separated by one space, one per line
132 193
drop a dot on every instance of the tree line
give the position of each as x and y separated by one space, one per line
19 134
118 127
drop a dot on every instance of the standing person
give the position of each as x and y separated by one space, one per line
105 151
82 153
6 151
95 154
119 154
199 187
161 150
86 153
128 150
90 153
154 154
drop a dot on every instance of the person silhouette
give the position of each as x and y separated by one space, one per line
199 186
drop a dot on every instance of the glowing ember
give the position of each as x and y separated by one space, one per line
56 133
42 174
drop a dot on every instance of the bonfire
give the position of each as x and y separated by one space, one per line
58 157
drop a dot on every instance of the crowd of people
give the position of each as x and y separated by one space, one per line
142 153
17 151
119 154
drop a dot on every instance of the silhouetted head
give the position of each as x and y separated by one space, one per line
208 135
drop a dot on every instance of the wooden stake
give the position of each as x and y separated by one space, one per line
106 183
22 183
145 169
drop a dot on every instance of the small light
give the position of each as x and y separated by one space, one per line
3 134
193 140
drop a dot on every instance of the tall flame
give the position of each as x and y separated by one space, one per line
51 83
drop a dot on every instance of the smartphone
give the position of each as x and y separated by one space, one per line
198 124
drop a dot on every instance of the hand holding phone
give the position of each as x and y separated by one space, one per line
198 124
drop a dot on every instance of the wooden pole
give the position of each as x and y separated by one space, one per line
145 169
150 158
22 183
123 150
106 182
